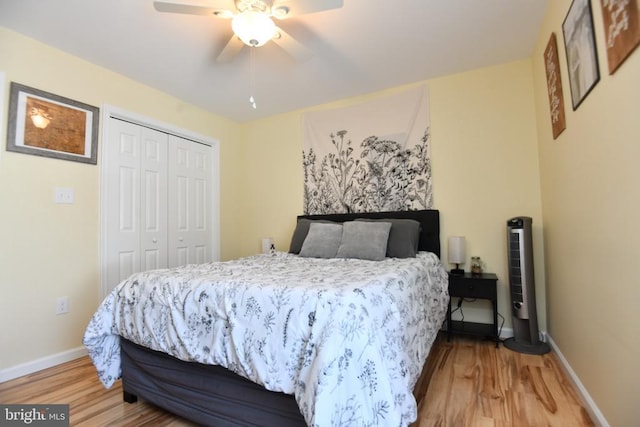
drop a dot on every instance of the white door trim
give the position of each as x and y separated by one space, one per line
110 111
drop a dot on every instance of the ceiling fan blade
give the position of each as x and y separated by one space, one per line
233 46
197 7
301 7
291 46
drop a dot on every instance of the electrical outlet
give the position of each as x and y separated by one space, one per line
62 305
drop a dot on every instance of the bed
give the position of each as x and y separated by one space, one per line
280 339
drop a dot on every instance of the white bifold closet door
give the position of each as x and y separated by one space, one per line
189 202
158 201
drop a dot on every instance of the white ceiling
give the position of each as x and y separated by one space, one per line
366 46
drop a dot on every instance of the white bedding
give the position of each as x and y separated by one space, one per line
348 338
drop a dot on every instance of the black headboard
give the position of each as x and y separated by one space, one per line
428 219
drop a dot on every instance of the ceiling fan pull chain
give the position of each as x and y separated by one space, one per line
252 65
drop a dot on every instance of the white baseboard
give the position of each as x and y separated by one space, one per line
506 333
42 363
594 412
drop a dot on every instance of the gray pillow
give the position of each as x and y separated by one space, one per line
322 241
364 240
300 233
403 237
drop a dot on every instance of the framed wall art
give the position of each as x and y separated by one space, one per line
621 28
580 47
44 124
554 86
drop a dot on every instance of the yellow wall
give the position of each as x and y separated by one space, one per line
484 160
49 250
590 199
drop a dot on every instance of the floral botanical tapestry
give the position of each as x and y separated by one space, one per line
373 156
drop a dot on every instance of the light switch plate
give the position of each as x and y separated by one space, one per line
64 195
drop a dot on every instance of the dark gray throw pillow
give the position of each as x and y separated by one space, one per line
322 241
364 240
403 237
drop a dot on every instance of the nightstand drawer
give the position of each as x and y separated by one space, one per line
472 287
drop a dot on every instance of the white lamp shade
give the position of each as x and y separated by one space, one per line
253 28
457 249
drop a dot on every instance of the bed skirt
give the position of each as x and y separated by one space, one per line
214 396
206 394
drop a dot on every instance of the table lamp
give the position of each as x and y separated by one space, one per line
457 253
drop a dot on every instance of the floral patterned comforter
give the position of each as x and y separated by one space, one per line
348 338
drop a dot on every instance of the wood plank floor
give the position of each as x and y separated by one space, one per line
475 384
472 384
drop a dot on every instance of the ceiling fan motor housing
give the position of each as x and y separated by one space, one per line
253 5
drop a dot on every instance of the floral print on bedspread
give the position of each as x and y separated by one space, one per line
348 338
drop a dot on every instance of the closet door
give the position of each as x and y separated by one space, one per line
136 215
190 206
153 200
158 201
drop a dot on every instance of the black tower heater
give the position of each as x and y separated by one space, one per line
522 289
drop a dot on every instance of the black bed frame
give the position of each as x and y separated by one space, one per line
214 396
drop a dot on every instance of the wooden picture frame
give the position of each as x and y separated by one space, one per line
621 20
44 124
554 86
580 48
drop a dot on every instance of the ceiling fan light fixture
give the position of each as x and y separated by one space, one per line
253 28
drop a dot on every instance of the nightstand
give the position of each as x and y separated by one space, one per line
477 286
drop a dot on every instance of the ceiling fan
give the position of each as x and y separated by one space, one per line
252 21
